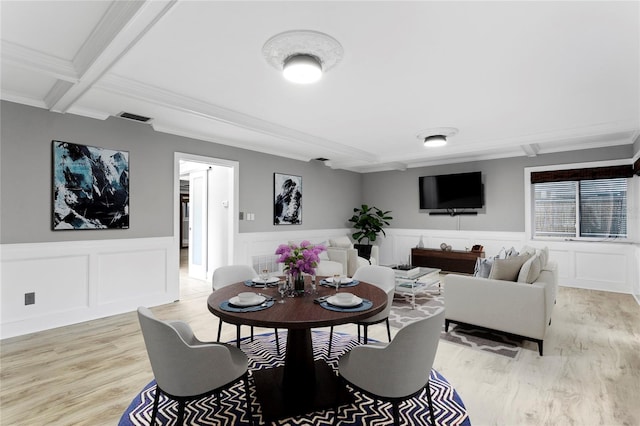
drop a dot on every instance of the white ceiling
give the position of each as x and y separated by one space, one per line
516 78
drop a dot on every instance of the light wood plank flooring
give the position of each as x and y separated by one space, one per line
87 374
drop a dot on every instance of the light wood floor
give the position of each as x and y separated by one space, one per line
87 374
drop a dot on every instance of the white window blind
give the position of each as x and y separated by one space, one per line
582 208
603 208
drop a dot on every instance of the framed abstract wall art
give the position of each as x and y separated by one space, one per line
287 199
90 187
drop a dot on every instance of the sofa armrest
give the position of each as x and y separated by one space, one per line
517 308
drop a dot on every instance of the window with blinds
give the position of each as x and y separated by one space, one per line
581 208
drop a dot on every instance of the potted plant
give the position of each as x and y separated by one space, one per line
369 222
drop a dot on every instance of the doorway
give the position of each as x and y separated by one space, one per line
205 224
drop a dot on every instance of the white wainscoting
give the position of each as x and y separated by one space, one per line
83 280
607 266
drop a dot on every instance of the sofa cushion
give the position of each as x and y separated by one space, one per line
342 242
530 270
323 255
544 256
508 269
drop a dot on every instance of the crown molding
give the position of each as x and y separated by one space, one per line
22 57
19 98
225 141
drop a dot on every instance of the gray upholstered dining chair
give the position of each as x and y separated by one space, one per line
384 278
187 369
231 274
402 367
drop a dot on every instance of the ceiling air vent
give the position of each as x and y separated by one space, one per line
134 117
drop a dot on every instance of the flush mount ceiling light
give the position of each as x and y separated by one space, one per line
302 69
302 55
435 141
436 137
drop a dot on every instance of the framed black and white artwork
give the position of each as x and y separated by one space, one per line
90 187
287 199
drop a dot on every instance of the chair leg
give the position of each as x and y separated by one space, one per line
248 399
219 329
156 401
336 404
180 413
277 341
330 340
388 330
431 414
396 413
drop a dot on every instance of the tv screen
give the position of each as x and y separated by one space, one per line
456 191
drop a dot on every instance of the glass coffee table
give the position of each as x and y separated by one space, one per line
417 281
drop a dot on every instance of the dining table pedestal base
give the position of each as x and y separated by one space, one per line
278 402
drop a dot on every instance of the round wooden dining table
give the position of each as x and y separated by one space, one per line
302 385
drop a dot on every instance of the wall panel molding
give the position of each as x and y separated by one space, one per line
83 280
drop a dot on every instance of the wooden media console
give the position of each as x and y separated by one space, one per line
450 261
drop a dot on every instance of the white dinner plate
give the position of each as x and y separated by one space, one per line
258 299
344 280
271 280
355 301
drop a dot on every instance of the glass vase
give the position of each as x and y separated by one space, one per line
297 286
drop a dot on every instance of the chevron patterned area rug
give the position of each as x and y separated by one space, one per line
484 340
448 407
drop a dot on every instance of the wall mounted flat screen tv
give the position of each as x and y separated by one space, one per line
455 191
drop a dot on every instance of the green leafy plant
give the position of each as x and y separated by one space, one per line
369 223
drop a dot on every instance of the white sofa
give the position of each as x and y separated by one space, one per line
345 245
332 262
519 308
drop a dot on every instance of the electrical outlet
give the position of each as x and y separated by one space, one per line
241 215
29 298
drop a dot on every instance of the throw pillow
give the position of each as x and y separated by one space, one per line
483 267
528 249
508 269
342 242
544 257
530 270
511 252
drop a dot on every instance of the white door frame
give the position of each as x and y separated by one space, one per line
233 208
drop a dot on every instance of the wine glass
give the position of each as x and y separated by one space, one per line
337 279
282 289
313 285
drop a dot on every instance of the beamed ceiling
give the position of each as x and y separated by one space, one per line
515 78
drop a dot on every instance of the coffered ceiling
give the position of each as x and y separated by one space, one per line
515 78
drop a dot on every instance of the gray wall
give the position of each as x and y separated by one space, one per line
504 190
25 177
